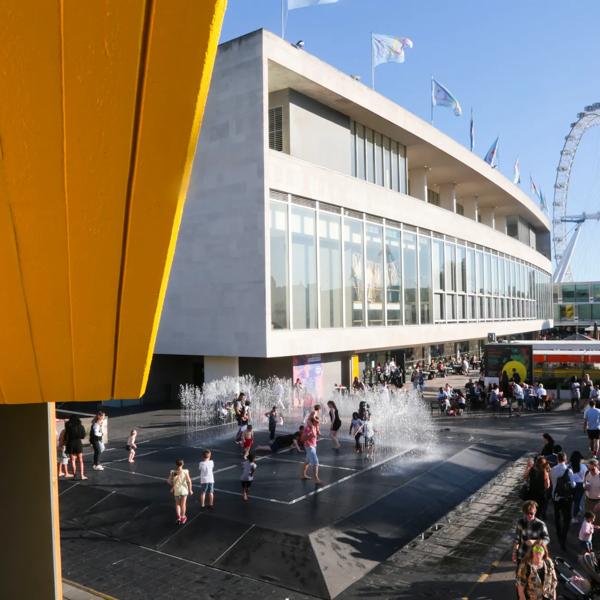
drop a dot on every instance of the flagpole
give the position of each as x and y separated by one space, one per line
283 19
372 64
432 99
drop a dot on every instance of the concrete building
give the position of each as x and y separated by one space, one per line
326 228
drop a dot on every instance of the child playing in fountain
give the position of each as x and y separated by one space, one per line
131 445
356 429
369 435
272 416
248 470
247 441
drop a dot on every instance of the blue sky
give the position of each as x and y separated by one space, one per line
526 67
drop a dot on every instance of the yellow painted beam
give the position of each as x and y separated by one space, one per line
31 137
101 67
100 108
176 82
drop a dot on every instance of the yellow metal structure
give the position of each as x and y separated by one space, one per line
100 109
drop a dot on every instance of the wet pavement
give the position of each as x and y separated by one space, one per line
438 526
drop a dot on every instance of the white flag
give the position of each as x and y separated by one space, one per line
387 48
517 173
293 4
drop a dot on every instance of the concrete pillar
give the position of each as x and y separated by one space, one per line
30 565
448 196
487 216
501 223
217 367
418 182
471 207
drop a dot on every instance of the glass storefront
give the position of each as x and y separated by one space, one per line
339 268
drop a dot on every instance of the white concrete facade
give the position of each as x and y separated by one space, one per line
218 301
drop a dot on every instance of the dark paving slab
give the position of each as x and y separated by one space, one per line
298 539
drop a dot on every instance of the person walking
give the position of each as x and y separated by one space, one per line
248 471
310 448
181 488
96 434
530 530
579 470
591 426
563 487
207 479
298 392
591 485
335 423
131 446
539 484
74 435
536 575
63 457
575 394
272 419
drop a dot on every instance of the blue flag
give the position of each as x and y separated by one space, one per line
472 132
441 96
292 4
388 49
491 158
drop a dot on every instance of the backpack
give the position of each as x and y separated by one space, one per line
563 489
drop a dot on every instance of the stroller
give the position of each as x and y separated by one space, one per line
578 585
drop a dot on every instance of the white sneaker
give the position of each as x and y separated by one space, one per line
99 468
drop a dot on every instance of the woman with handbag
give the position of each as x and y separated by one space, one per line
74 434
538 478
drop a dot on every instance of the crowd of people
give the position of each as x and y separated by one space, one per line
571 486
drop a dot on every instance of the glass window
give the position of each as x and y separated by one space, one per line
488 273
395 175
495 275
378 160
304 268
584 312
438 307
402 168
409 251
330 269
360 151
472 308
502 277
582 292
353 148
482 308
279 265
480 280
450 252
461 268
450 307
393 274
369 161
425 278
354 272
568 292
596 312
596 292
472 277
387 174
438 265
374 278
462 307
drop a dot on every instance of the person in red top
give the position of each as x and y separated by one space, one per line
310 436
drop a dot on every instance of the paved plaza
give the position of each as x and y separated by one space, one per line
358 535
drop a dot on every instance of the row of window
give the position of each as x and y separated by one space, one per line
376 158
338 268
577 292
577 312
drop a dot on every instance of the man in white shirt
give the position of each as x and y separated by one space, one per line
591 425
591 485
563 484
